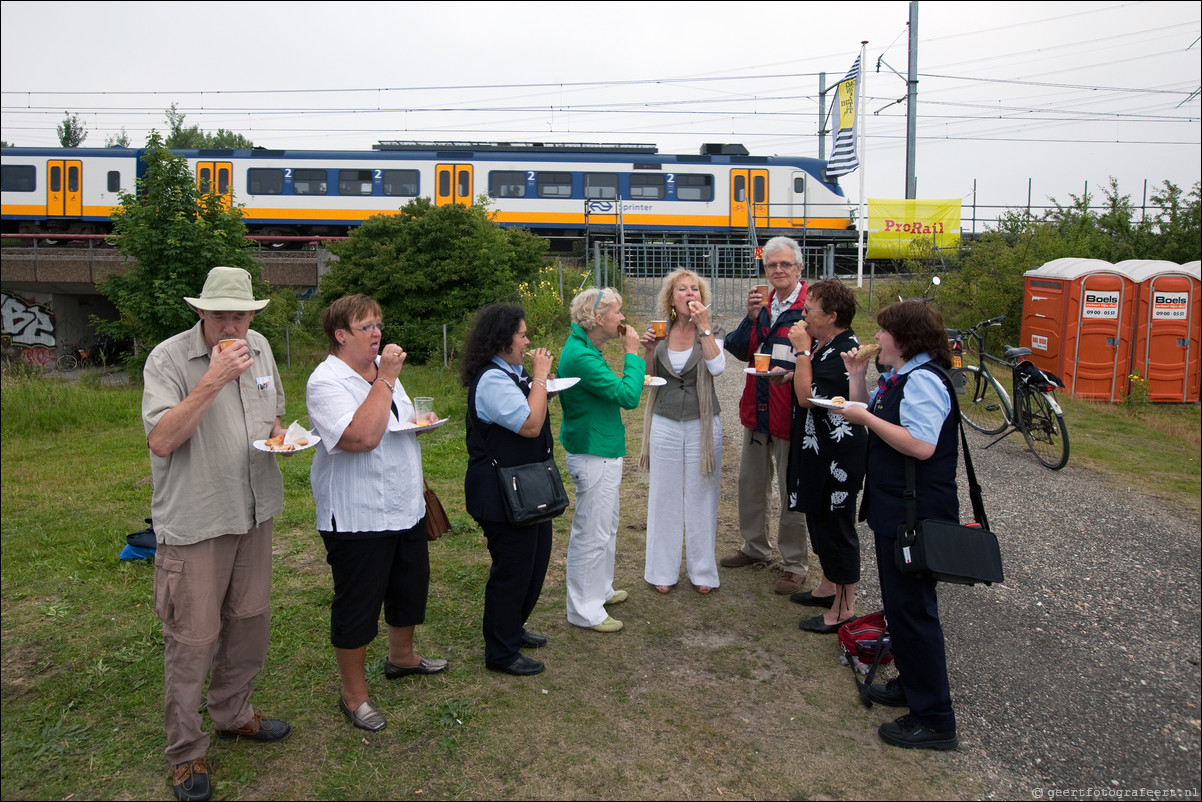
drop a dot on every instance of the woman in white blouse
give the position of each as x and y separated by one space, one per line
682 437
367 483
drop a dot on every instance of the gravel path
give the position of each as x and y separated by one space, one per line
1082 670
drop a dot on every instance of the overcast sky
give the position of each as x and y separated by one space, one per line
1058 93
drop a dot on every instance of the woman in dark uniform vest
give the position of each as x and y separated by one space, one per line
507 419
909 417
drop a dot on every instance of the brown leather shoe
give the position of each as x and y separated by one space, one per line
263 730
737 560
789 582
190 781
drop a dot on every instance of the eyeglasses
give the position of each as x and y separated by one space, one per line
810 311
367 329
780 265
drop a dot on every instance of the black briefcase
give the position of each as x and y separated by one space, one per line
949 552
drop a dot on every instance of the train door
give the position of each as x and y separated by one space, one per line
452 184
215 177
64 188
798 209
748 196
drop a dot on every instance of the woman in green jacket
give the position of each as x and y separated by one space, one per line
594 438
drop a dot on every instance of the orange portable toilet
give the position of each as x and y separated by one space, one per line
1077 321
1168 320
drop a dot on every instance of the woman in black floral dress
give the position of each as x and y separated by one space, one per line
827 459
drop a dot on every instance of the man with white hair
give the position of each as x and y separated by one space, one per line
765 411
209 393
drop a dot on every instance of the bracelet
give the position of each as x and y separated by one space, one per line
386 384
541 382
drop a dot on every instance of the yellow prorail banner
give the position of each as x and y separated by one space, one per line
911 229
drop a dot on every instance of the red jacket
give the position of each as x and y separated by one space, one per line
767 407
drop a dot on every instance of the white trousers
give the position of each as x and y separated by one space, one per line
682 505
594 539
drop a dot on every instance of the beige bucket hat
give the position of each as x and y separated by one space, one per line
227 289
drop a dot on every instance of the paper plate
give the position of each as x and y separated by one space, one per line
262 446
406 426
655 381
753 372
559 385
826 403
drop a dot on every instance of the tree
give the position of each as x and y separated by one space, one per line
174 235
430 266
120 140
192 138
988 275
71 131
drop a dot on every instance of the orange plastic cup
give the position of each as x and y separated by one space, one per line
224 344
765 291
763 363
660 327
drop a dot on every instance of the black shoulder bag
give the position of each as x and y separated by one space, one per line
533 492
943 550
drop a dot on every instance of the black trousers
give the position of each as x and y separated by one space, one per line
834 539
912 611
520 556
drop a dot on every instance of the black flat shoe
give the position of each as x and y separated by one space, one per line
807 597
531 640
816 624
522 666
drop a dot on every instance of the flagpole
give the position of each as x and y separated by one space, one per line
863 154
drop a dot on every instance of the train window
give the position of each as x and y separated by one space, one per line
401 182
223 181
465 184
354 182
204 180
56 178
309 182
73 179
799 184
553 185
602 186
114 180
507 184
18 178
647 187
265 181
758 184
740 189
694 187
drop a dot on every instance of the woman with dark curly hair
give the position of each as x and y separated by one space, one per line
909 420
507 419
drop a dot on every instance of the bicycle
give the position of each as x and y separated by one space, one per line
74 358
987 407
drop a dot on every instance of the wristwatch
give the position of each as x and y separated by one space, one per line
707 333
800 353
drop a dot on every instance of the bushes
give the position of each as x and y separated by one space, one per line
430 266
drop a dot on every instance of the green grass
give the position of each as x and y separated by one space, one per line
691 700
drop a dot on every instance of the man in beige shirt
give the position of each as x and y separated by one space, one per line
209 393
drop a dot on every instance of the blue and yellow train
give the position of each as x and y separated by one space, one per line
551 189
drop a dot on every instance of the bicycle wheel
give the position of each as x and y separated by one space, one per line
1042 424
66 363
984 405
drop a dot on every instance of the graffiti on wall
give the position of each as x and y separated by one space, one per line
28 327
